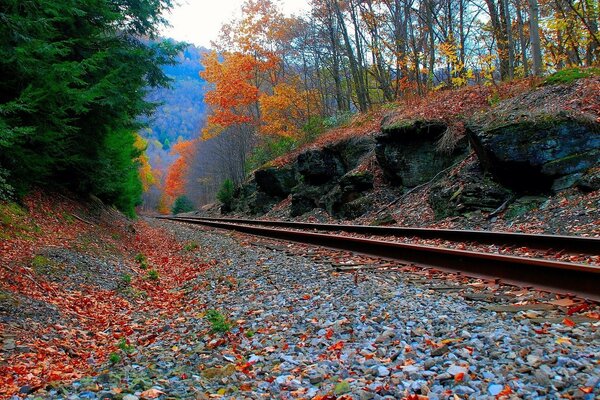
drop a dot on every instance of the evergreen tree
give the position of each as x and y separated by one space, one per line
182 204
74 77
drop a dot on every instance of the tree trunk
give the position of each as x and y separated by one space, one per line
534 37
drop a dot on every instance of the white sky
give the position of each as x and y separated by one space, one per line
199 21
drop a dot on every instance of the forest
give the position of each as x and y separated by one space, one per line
276 82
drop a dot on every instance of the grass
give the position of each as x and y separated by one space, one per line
153 275
191 246
126 278
218 322
43 265
141 260
570 75
127 348
14 222
114 358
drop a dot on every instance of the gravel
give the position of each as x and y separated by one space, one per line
299 330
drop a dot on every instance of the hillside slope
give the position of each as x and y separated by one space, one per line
507 158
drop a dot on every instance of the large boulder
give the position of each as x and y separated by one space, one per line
408 151
468 191
350 188
277 182
306 197
352 151
248 199
319 166
533 144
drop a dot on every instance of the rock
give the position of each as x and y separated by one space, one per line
9 344
315 377
408 153
468 191
305 198
353 150
529 150
385 336
130 397
341 388
494 389
382 371
456 369
590 181
440 351
27 389
276 182
341 201
319 166
249 199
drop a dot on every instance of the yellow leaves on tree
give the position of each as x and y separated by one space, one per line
233 93
178 171
147 175
284 112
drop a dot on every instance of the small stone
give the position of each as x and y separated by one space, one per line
26 389
130 397
494 389
9 344
382 371
456 369
385 336
534 361
440 351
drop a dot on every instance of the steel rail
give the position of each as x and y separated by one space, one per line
560 277
587 245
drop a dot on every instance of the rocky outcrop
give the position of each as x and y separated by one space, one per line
535 153
249 199
408 153
276 182
468 191
325 183
319 166
345 200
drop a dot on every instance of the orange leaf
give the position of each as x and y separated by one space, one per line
568 322
338 346
459 377
151 394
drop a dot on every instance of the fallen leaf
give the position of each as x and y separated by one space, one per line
151 394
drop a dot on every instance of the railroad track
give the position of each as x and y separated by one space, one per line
566 278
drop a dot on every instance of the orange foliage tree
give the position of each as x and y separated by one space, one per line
177 173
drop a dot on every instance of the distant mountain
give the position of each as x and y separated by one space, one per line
183 111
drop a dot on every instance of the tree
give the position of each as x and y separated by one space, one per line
74 77
181 205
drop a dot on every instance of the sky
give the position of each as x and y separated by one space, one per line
199 21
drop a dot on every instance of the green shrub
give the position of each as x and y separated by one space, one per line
140 258
7 192
269 149
191 246
218 322
117 180
126 347
182 204
126 278
114 358
153 275
225 194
